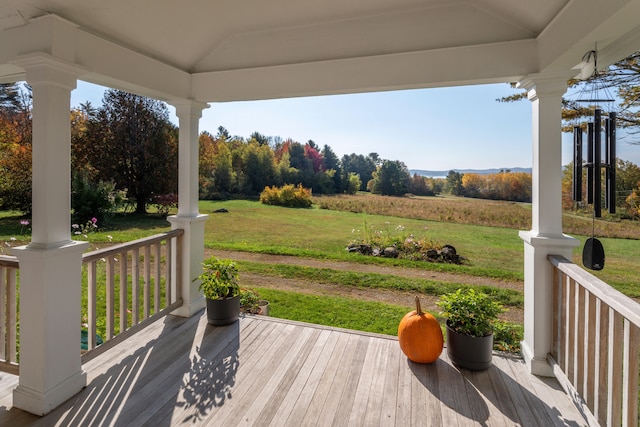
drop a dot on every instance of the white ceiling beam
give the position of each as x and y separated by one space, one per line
582 25
492 63
107 63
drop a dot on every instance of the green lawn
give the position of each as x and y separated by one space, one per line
322 233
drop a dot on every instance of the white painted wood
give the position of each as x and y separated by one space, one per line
600 347
135 286
91 304
168 285
157 285
630 374
602 377
545 236
110 290
147 282
123 305
621 303
614 369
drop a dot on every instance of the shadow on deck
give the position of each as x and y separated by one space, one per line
265 371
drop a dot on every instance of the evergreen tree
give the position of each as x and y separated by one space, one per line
391 179
332 162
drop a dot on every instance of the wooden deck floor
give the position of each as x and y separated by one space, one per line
263 371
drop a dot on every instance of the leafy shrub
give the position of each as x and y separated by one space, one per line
164 203
288 196
507 336
92 200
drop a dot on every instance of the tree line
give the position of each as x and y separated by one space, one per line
126 151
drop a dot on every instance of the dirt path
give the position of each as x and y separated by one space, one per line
402 298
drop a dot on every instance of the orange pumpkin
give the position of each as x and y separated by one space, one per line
420 336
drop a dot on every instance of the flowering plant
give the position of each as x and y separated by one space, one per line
84 229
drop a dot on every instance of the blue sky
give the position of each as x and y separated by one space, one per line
433 129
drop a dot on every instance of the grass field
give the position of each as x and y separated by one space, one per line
491 251
471 226
322 233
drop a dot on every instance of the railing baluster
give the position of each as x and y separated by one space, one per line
590 352
91 305
123 291
562 319
614 369
178 272
110 285
135 286
557 298
12 317
602 357
580 340
630 374
157 287
167 280
147 281
4 308
571 329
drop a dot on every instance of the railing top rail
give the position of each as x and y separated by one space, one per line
9 261
624 305
128 246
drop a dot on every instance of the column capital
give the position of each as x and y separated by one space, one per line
189 108
551 84
43 68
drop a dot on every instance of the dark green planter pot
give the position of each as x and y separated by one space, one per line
224 311
469 352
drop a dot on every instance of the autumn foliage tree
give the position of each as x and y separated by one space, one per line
500 186
15 148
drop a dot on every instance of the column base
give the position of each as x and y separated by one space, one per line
535 365
39 403
192 255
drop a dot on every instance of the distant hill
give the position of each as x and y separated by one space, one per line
443 174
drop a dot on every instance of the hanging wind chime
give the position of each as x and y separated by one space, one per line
603 124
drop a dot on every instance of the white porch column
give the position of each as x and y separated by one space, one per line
545 236
50 266
188 218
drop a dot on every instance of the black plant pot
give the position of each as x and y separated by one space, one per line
223 311
468 352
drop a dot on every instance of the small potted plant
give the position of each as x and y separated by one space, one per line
220 286
470 316
250 302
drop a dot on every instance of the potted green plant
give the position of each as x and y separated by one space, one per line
220 286
470 316
250 302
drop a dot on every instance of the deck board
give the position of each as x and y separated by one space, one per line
264 371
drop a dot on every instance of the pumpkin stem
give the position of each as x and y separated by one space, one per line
418 308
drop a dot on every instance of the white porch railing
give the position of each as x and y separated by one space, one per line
596 341
8 314
140 272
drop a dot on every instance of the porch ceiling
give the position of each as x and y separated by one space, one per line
252 49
